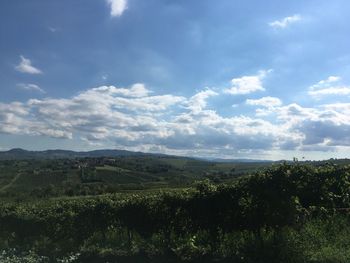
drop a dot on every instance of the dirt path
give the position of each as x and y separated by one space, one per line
14 179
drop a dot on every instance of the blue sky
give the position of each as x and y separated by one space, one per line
232 79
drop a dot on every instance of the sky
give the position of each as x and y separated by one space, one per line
219 79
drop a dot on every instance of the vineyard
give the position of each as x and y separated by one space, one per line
285 213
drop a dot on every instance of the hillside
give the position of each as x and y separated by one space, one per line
56 173
21 154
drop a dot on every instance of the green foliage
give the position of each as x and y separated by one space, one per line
287 213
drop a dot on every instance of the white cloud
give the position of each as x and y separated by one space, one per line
326 82
30 87
328 87
135 119
25 66
343 107
117 7
104 113
330 91
265 102
247 84
137 90
115 116
269 105
199 101
13 118
286 21
324 127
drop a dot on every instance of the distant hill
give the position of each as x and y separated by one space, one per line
19 154
220 160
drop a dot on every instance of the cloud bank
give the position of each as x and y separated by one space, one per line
135 118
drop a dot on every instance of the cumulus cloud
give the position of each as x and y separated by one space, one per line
117 7
284 22
13 118
323 127
30 87
136 90
25 66
199 101
134 118
328 87
131 117
268 104
99 113
265 102
247 84
334 107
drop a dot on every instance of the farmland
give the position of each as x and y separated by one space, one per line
84 176
173 209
